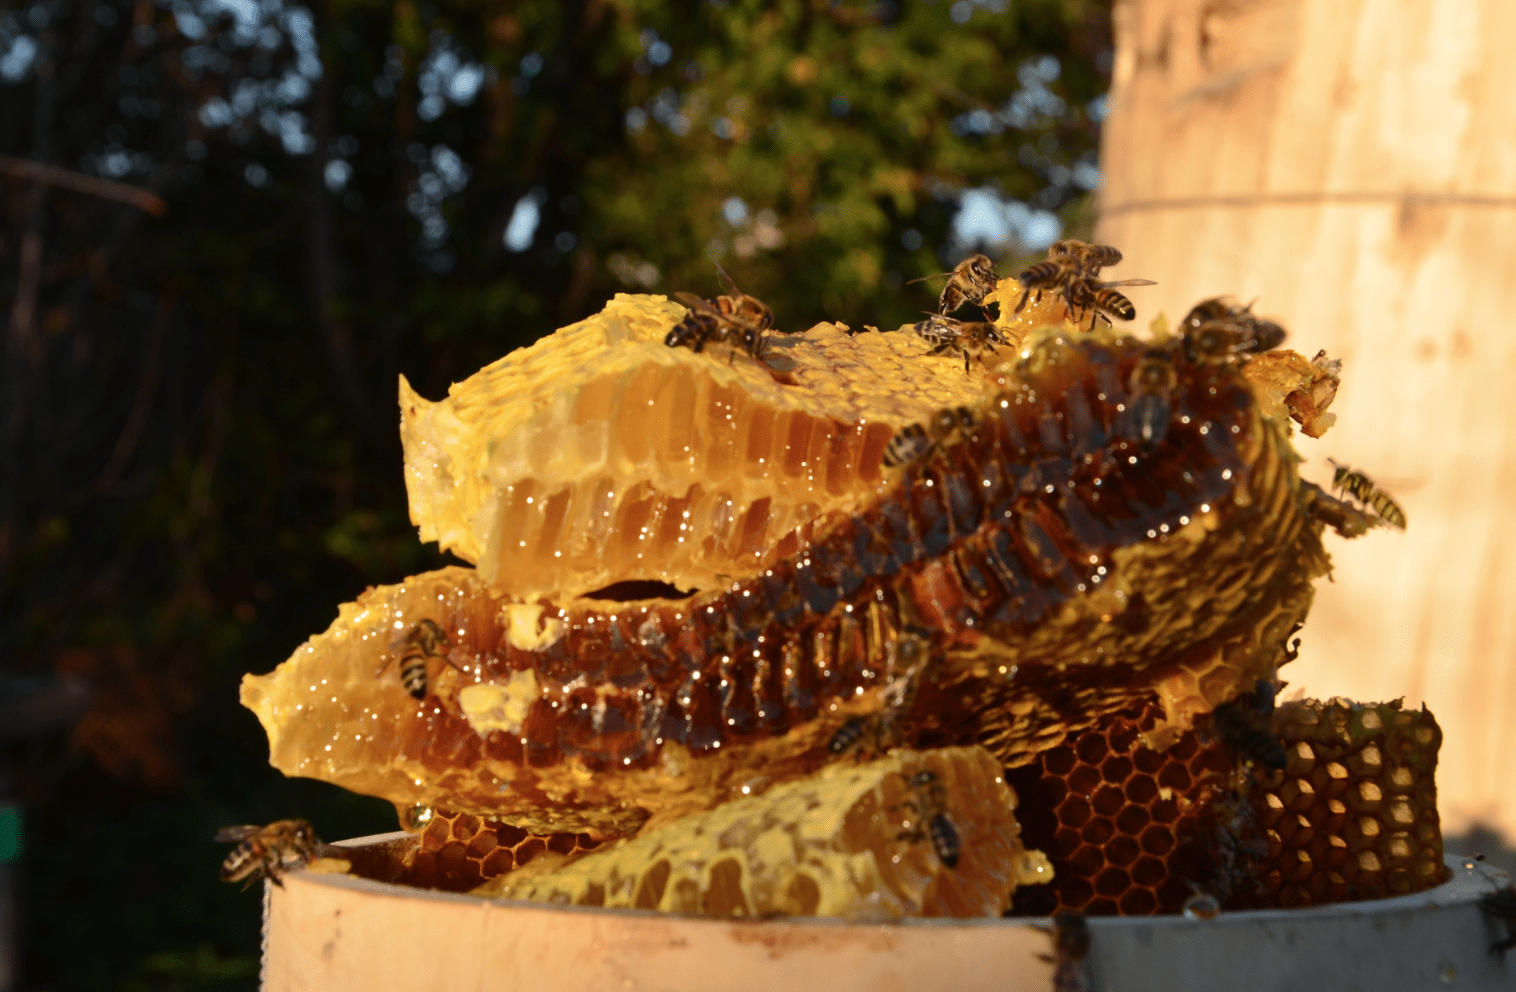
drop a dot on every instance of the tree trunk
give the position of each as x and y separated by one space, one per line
1352 165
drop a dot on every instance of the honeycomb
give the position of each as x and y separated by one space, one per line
1131 830
848 841
599 456
1037 570
457 852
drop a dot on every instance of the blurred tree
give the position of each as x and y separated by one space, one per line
198 454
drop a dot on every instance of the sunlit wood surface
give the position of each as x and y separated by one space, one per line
1353 166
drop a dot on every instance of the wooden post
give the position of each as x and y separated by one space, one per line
1352 164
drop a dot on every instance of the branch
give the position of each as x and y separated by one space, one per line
52 175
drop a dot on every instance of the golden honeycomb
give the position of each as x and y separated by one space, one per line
1131 830
1354 813
599 456
1040 567
854 840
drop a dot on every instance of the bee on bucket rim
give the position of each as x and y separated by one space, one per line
1071 945
1352 482
423 641
972 337
932 821
272 850
970 282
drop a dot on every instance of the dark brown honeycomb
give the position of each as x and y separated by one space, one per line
457 852
1133 831
1119 820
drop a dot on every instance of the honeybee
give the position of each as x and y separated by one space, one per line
1072 271
424 640
1090 258
1071 945
914 441
970 282
972 337
910 661
1354 483
932 821
1152 385
1215 331
284 845
734 318
1244 725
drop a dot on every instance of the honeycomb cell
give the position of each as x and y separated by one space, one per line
1075 892
1074 811
1113 882
1141 789
1175 776
1116 769
1165 811
1157 840
1064 843
1086 861
1092 748
1098 831
1138 902
1059 761
1084 780
1101 906
1148 871
1052 792
1366 798
1121 850
1107 800
1151 762
1132 820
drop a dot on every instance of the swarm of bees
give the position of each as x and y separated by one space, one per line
931 819
734 319
422 642
282 846
1351 482
1215 332
1246 726
1072 269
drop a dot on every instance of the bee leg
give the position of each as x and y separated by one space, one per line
965 361
1026 294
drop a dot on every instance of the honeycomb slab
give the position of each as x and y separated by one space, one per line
852 841
1070 548
599 455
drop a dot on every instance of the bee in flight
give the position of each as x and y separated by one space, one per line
734 318
1152 386
284 845
1245 725
916 440
423 641
1351 482
1071 945
1214 331
970 282
972 337
931 819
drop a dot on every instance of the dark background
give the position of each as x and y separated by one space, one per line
198 449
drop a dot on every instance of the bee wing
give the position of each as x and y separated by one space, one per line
1126 282
236 835
726 281
694 302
